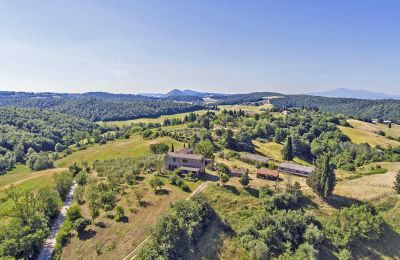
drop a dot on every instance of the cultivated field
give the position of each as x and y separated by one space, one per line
361 136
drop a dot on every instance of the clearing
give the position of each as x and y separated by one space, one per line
360 136
133 147
151 120
394 131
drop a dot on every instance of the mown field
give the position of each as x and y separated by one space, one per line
394 131
123 148
151 120
361 136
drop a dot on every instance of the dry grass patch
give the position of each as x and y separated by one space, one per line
394 131
115 240
369 187
360 136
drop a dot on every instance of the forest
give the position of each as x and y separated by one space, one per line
97 106
27 134
358 108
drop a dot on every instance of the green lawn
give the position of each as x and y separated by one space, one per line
133 147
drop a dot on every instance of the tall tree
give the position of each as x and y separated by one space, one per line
323 179
397 183
172 147
287 151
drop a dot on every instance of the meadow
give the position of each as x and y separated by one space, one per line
394 131
361 136
133 147
159 119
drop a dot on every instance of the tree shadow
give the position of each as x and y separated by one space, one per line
252 191
232 189
338 201
101 224
306 202
210 244
209 177
387 245
162 192
86 234
124 219
139 178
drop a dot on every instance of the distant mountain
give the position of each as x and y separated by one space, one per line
186 92
351 93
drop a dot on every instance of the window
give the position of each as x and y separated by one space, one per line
185 161
174 159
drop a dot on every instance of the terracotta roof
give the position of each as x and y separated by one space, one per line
185 155
268 172
297 167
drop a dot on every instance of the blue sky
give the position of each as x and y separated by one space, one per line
220 46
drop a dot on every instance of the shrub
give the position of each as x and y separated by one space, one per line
80 224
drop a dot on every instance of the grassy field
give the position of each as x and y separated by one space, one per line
394 131
133 147
247 108
28 181
114 239
151 120
361 136
22 174
371 186
274 150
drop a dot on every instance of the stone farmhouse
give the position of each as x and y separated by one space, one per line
185 160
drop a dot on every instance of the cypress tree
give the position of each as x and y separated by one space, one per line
172 147
323 179
397 183
287 151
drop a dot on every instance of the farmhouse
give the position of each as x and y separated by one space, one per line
186 161
295 169
266 173
254 158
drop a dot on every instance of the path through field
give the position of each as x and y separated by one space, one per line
133 253
50 242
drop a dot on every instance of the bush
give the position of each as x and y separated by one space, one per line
64 233
185 187
74 213
80 224
63 183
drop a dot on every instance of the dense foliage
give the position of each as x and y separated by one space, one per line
355 223
26 224
98 106
358 108
178 231
26 133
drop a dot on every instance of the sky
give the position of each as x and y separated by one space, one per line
227 46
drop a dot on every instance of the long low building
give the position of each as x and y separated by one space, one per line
295 169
